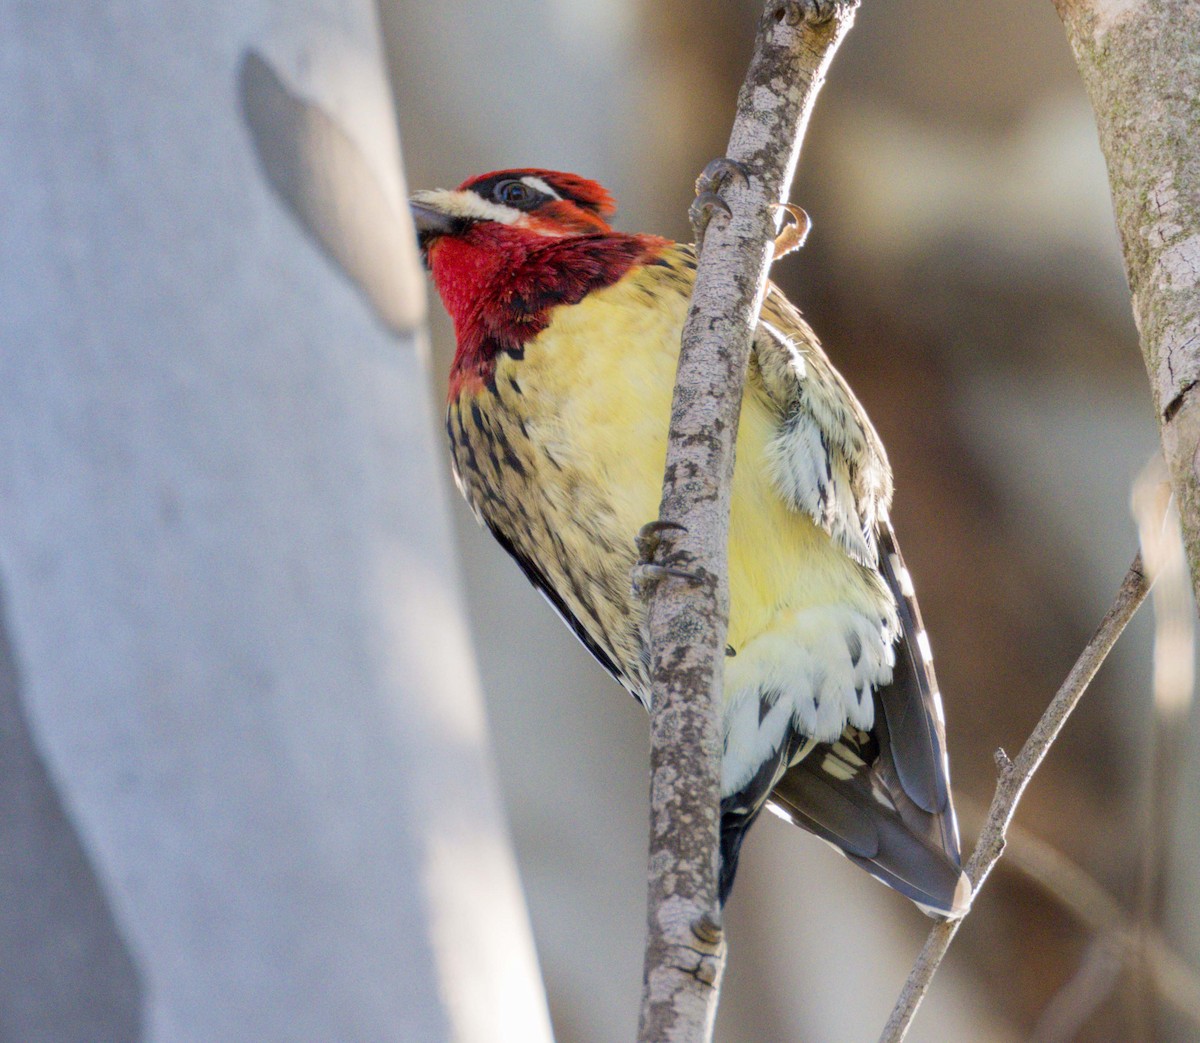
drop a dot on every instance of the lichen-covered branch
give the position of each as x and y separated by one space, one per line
1140 63
688 617
1014 777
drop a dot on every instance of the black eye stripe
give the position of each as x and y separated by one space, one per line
582 196
516 193
487 190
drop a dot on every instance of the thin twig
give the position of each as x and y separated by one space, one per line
1014 777
687 616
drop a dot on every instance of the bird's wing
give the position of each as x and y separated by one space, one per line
826 460
881 797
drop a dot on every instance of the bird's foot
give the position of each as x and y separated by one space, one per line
645 576
648 573
719 172
792 235
709 185
708 930
701 211
815 12
650 538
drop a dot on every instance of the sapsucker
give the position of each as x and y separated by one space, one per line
559 398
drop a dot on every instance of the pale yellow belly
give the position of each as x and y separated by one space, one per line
603 407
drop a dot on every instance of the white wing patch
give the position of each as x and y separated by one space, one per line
816 670
799 366
809 473
813 456
826 459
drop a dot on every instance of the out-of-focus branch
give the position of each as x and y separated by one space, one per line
1172 978
1140 63
1081 995
1014 777
1174 659
688 615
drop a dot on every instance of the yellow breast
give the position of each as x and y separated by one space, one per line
598 385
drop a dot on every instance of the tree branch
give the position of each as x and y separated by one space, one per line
1140 63
1014 777
687 618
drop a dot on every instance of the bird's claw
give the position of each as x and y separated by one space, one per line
645 576
650 537
791 236
707 930
719 172
709 185
815 12
648 573
701 211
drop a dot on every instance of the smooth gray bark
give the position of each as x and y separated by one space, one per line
228 585
1140 63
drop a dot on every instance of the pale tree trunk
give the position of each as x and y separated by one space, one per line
244 784
1140 63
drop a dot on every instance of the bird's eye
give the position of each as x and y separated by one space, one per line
513 193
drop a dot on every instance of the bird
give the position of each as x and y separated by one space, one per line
559 395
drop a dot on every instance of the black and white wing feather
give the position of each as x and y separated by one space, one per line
881 795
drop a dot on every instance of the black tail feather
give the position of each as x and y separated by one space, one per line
881 797
735 821
872 821
850 794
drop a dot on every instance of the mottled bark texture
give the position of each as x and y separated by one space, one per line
1015 775
687 619
1140 63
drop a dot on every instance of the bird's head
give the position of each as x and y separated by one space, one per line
507 247
510 209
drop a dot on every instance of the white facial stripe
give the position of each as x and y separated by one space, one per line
467 205
539 185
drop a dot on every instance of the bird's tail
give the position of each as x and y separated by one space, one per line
863 810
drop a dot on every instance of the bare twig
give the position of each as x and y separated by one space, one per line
688 615
1014 777
1140 63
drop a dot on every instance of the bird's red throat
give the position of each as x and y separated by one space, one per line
499 284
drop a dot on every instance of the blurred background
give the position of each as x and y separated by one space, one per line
272 706
964 274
